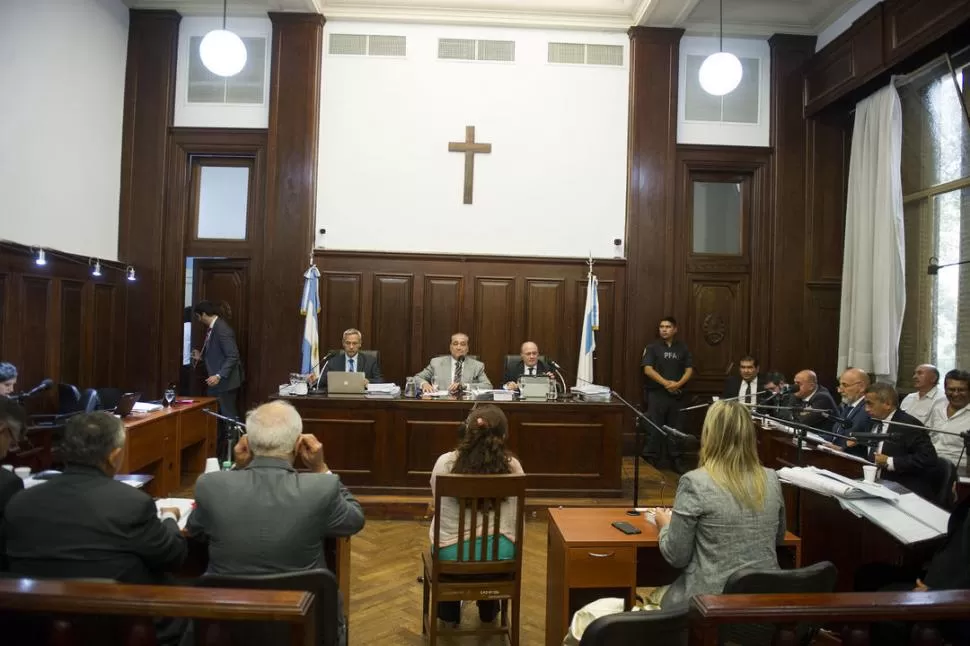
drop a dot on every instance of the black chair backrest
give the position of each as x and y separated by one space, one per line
108 398
322 583
375 354
68 399
817 578
946 474
657 628
89 401
512 359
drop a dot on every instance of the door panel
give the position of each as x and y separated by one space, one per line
224 281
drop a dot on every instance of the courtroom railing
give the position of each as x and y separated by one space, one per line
853 611
64 605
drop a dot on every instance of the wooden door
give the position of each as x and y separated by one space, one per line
224 280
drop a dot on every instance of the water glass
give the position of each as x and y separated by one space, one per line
410 388
552 394
169 396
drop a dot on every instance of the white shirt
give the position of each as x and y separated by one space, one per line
920 407
348 359
743 388
530 371
884 427
949 446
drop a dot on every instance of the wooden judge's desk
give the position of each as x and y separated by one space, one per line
390 445
828 532
588 558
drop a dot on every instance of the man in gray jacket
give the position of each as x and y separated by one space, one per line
451 371
264 517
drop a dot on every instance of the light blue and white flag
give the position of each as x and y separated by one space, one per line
309 308
587 343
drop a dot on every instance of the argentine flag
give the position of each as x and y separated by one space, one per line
587 343
309 308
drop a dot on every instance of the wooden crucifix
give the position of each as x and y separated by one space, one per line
469 147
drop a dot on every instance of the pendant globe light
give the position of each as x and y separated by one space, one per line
223 52
720 73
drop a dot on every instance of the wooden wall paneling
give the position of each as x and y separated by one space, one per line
148 112
821 329
340 296
392 324
910 25
37 329
71 331
828 147
717 322
494 322
654 64
545 313
104 349
441 315
292 141
5 311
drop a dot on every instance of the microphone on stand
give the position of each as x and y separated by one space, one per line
325 363
557 369
727 399
39 388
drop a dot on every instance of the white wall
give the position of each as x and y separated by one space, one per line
62 79
843 22
553 185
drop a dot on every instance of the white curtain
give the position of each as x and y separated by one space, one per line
873 274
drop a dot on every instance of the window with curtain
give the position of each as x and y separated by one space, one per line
936 199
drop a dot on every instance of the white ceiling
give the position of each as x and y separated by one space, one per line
741 17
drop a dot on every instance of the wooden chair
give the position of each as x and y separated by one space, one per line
483 576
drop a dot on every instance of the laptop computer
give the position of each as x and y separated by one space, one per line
126 403
346 383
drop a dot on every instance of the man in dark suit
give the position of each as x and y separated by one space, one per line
85 524
221 357
852 411
746 385
906 455
13 420
264 517
809 394
352 360
529 365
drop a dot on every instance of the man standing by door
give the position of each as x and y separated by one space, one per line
667 365
221 356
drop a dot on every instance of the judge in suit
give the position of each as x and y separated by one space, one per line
854 418
351 359
13 420
264 517
529 365
907 455
809 394
221 356
746 385
451 371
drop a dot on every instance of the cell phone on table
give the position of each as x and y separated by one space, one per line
625 527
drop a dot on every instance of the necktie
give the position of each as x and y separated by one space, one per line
532 372
458 371
747 392
350 366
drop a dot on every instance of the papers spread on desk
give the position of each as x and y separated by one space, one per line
184 505
832 484
909 520
145 407
847 456
383 390
812 437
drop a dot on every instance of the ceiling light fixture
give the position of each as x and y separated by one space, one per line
721 72
223 52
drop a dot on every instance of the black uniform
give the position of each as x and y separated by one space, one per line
670 362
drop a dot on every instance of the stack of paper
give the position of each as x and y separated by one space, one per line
592 392
832 484
910 520
184 505
383 390
145 407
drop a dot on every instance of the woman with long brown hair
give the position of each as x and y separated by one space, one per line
481 451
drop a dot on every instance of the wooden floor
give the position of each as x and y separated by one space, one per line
385 596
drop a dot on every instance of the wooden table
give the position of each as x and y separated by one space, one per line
171 445
389 446
588 559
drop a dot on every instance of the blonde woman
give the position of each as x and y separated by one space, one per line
728 514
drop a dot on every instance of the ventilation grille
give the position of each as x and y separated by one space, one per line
248 87
580 54
743 105
476 50
362 45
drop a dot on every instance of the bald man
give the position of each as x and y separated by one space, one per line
810 394
530 365
926 381
852 387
